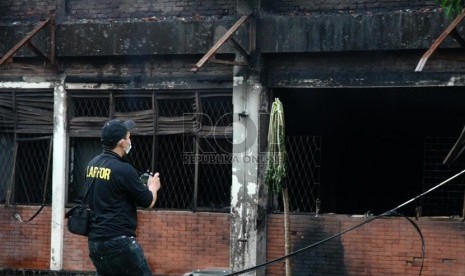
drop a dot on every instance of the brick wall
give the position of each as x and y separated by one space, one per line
174 242
179 242
24 245
387 246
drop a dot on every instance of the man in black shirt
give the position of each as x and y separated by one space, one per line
113 199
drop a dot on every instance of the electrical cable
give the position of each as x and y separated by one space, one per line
44 195
388 213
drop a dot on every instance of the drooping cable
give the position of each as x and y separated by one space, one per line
388 213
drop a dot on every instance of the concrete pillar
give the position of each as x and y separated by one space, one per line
58 178
248 202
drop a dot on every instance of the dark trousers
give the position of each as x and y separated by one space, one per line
119 256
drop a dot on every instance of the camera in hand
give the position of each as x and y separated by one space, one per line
144 178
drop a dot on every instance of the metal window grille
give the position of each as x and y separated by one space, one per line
165 138
303 175
217 110
26 122
448 199
87 112
33 178
177 176
215 175
90 105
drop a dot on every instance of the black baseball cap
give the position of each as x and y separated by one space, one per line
115 130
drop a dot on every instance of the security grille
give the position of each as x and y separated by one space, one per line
26 125
165 140
216 110
449 198
215 175
33 178
303 175
177 176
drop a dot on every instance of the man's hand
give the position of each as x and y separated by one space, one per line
154 185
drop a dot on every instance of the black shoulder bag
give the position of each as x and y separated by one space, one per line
79 216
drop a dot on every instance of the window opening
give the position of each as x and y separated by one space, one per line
26 125
31 172
165 140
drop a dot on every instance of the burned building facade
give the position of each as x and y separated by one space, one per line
365 130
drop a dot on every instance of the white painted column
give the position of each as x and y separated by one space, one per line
248 237
58 178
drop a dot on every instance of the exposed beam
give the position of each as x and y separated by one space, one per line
455 34
37 51
27 39
219 43
239 48
438 41
228 62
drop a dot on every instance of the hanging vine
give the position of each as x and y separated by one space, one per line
276 164
276 170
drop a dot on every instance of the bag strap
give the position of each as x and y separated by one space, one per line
88 189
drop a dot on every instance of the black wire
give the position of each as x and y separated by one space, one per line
423 247
44 196
388 213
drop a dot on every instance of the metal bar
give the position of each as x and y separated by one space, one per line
25 40
111 110
47 171
198 110
34 138
154 137
438 41
253 35
37 51
10 189
229 62
463 207
239 48
51 53
219 43
196 173
155 130
455 34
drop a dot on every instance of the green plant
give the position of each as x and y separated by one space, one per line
276 167
452 7
276 170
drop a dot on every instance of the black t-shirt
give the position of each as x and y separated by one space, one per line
114 196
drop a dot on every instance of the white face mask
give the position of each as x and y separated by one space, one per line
128 149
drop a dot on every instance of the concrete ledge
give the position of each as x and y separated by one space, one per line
25 272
